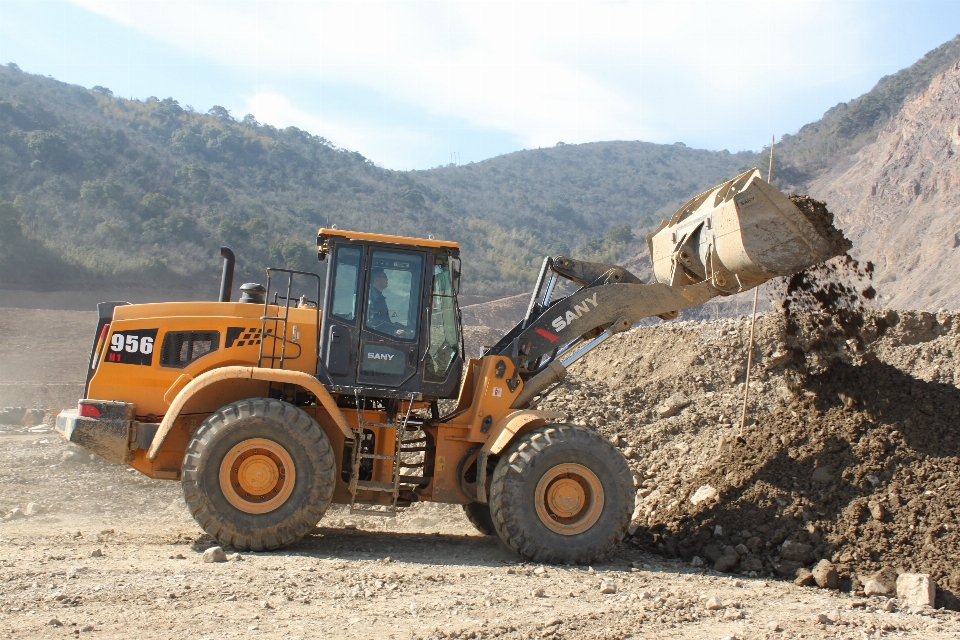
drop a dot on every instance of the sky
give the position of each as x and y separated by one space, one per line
415 85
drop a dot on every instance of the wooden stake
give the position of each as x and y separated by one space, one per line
753 321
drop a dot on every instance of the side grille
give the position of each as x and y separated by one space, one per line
180 348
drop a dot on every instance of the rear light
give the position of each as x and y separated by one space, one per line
88 410
101 341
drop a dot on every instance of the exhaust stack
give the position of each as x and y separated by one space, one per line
739 235
226 279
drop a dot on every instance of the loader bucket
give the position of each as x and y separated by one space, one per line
741 234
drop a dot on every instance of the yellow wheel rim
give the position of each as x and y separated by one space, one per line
569 499
257 476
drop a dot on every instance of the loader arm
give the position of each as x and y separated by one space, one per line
727 240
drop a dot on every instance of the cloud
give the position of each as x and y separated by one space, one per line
542 71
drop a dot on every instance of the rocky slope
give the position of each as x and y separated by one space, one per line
900 201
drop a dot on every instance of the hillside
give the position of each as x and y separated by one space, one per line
101 191
830 143
900 203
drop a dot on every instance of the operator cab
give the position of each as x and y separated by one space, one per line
390 325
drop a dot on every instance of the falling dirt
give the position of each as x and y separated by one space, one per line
820 217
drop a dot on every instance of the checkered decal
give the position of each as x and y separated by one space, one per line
241 336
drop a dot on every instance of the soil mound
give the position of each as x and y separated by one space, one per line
852 453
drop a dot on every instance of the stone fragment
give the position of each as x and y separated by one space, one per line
86 628
788 568
888 578
539 571
712 553
733 614
741 549
875 588
628 453
916 590
31 509
889 606
696 561
214 554
265 605
877 512
796 551
804 578
538 592
714 604
704 493
234 557
773 625
96 553
826 575
231 598
673 406
751 563
726 563
608 586
54 623
822 475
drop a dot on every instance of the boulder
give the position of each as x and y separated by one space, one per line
726 563
214 554
826 575
916 590
804 578
796 551
875 588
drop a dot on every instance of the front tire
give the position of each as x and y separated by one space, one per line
562 494
258 474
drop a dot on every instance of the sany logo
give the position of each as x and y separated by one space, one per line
562 322
379 356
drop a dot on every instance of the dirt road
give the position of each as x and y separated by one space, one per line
427 574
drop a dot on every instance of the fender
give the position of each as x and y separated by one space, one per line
503 434
214 376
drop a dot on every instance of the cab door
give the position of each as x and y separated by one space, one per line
390 332
342 314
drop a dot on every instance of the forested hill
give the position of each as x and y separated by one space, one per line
99 190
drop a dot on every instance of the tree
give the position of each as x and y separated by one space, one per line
103 91
220 112
620 234
10 229
155 205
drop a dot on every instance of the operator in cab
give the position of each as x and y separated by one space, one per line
378 314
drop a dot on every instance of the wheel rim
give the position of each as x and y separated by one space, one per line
257 476
569 499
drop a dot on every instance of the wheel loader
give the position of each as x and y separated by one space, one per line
270 408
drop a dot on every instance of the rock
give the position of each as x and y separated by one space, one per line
733 614
231 598
916 590
829 617
539 571
888 578
788 568
773 625
714 604
96 553
214 554
875 588
751 563
235 557
717 531
265 605
822 475
712 553
826 575
628 453
726 563
54 623
696 561
796 551
704 493
31 509
608 586
876 511
86 628
804 578
889 606
741 549
538 592
673 406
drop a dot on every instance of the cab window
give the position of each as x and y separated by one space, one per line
345 279
393 294
443 347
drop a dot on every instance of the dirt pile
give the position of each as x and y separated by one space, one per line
852 453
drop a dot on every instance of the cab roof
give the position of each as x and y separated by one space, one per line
382 237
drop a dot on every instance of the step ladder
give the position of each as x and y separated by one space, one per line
393 487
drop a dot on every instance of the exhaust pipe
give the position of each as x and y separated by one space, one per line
226 280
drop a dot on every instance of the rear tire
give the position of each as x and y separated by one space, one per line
258 474
562 494
479 516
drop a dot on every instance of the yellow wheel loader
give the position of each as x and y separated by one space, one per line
322 388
